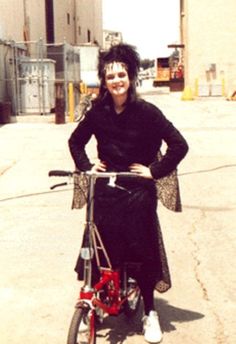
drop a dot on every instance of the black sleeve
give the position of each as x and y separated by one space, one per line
77 142
177 148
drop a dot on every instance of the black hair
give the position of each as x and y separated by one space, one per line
123 53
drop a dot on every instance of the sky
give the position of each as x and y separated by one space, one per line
150 25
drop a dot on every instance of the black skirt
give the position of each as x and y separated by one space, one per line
127 221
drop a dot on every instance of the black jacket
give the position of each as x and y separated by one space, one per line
133 136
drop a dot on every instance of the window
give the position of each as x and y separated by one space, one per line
89 35
49 11
68 18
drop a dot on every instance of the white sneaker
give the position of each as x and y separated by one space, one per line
151 327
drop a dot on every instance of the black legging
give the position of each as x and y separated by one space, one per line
146 283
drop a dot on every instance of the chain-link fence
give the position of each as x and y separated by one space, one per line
31 71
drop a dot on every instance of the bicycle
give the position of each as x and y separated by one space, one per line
115 291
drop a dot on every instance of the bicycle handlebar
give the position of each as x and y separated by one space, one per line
62 173
111 175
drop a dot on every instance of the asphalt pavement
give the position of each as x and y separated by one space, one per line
40 235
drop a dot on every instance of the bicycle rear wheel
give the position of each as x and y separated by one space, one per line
82 328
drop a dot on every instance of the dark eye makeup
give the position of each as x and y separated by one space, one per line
111 76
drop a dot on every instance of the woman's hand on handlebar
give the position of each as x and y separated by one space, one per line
141 170
99 166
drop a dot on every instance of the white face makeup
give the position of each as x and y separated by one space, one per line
117 79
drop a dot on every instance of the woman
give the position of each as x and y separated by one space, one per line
129 133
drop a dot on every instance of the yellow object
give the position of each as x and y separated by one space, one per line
71 104
187 93
196 88
83 88
223 87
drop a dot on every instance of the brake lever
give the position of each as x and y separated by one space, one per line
58 185
112 184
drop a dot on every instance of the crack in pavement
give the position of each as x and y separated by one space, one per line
220 336
6 168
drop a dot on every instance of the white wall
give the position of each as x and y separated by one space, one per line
210 39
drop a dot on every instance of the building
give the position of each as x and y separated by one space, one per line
208 30
35 31
76 21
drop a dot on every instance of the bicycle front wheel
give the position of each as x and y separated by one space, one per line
82 328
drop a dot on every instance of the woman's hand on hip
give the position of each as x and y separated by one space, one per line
99 166
141 170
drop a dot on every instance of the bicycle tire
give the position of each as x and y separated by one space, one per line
83 316
132 303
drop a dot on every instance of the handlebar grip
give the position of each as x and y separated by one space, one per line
60 173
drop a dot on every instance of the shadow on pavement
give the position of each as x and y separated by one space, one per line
115 330
169 314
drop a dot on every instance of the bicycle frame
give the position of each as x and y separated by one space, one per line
109 278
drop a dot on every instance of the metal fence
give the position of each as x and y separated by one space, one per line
29 72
